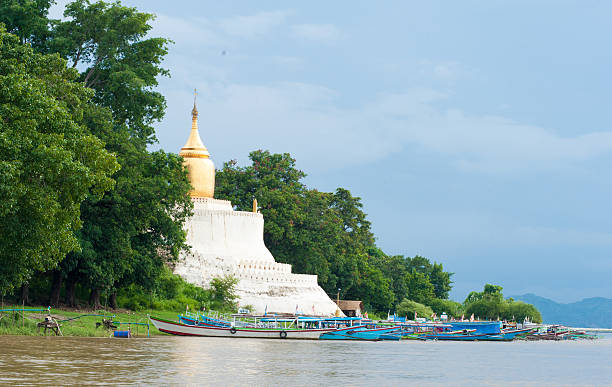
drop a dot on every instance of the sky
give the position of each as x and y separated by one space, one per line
477 133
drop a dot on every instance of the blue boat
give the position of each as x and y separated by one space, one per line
392 336
358 333
480 326
507 335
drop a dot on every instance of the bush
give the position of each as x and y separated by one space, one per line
451 308
408 307
518 310
223 293
173 293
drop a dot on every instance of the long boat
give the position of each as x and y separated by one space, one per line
358 333
180 329
506 335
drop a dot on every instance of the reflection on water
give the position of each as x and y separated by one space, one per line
222 361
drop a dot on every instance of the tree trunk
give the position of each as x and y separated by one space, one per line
113 300
70 288
56 287
25 294
94 298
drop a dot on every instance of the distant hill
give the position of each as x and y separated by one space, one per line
593 312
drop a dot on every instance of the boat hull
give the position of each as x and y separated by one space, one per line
503 336
179 329
358 333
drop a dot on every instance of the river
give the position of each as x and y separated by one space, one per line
56 361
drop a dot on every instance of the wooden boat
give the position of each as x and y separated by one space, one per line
506 335
359 333
180 329
479 326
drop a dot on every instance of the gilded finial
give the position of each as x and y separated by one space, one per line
194 112
255 205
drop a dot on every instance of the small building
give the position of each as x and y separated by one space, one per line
351 308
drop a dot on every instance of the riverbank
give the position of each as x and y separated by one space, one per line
15 320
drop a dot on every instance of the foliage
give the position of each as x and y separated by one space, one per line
490 304
121 65
414 278
407 308
441 280
520 310
49 161
80 323
28 20
451 308
419 287
320 233
131 231
171 292
327 234
223 293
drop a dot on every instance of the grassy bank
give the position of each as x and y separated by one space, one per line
78 322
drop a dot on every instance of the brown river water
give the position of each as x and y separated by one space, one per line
55 361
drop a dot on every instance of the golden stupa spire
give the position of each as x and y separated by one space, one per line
197 159
194 146
194 111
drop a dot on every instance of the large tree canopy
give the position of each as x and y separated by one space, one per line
121 63
28 20
129 232
490 304
49 160
134 229
328 234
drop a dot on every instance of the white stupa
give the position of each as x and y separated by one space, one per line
227 242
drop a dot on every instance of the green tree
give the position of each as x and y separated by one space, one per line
488 308
418 264
490 292
223 291
394 268
441 280
320 233
407 308
108 40
519 311
130 232
28 20
419 287
490 304
451 308
49 161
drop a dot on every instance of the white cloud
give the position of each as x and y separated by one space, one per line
258 24
188 32
321 33
304 119
446 70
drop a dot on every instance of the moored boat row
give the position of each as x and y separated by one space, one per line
334 328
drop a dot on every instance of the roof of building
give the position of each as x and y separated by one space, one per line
350 305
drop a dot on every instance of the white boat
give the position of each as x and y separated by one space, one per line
176 328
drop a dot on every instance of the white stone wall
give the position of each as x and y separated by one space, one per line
231 242
215 229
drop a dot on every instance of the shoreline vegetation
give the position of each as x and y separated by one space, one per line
90 216
78 323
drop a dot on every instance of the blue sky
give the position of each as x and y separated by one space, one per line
477 133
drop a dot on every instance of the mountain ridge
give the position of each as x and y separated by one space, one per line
592 312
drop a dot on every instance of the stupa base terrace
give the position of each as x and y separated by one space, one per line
227 242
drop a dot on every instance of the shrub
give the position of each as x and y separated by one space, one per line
408 308
452 308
